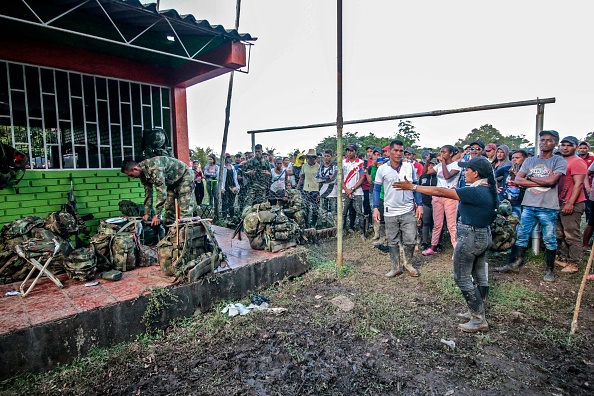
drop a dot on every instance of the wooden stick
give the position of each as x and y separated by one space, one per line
576 312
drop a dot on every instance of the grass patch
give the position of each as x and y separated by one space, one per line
442 285
513 296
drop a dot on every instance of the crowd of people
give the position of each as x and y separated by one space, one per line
407 200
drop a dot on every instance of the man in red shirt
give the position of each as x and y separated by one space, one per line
572 206
583 151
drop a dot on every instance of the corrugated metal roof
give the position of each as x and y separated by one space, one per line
190 19
125 28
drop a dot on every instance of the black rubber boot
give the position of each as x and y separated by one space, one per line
396 263
407 256
477 312
549 275
516 260
484 292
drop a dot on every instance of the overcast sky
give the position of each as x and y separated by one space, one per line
398 57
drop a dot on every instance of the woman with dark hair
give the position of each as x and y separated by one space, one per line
447 171
211 174
477 207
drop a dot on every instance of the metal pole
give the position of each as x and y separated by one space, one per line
227 122
339 125
253 142
434 113
539 126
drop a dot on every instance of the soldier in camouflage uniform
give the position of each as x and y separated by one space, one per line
258 171
171 178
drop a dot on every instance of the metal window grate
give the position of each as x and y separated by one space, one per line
68 120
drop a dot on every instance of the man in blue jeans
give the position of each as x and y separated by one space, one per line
540 175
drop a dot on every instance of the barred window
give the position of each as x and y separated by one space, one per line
65 120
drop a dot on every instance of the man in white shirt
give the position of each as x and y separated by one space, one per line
402 209
352 193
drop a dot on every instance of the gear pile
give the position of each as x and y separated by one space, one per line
503 228
270 228
38 238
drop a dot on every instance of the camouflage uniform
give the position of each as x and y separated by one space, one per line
259 184
172 179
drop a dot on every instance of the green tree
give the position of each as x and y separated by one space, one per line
200 154
489 134
408 134
589 138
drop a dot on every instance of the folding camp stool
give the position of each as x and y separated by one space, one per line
37 265
206 211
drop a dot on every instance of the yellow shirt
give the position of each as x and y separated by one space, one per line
309 173
299 160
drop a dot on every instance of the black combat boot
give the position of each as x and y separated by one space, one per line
477 312
549 275
396 262
516 260
408 255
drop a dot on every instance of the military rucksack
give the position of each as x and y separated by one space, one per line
131 209
81 264
21 226
61 223
503 228
12 166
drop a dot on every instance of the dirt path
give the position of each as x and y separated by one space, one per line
388 343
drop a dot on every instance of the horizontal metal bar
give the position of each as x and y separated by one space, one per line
434 113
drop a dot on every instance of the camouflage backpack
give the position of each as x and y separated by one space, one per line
147 256
101 245
61 223
503 228
21 226
123 251
81 264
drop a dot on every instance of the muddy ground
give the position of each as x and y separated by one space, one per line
388 343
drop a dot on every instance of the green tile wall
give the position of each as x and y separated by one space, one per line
96 191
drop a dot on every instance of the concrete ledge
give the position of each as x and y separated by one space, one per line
43 347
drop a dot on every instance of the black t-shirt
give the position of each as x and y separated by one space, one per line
476 206
427 180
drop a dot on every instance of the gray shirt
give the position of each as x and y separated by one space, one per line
543 197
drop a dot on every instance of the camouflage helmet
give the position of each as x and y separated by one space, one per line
61 223
155 138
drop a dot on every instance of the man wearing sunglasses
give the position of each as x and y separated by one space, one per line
476 149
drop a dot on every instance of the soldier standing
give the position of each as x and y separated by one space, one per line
258 171
171 178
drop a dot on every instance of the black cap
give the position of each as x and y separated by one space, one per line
570 139
479 164
371 146
479 142
409 150
377 149
351 146
554 134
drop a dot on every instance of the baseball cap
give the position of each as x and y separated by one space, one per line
479 164
466 146
409 150
551 132
371 146
491 146
351 146
379 150
584 142
387 148
570 139
479 142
